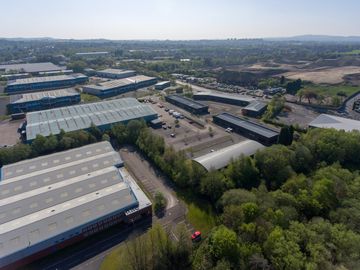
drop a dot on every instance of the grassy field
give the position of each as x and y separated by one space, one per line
112 261
331 90
200 213
88 98
353 52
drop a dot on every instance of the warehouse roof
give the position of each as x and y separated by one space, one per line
251 126
31 67
255 106
79 117
116 71
221 158
38 208
187 101
46 79
226 96
20 98
331 121
162 83
108 85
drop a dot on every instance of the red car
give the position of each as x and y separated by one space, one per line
196 236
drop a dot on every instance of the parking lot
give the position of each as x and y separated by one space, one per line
187 135
8 132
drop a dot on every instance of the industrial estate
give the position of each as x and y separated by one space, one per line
108 146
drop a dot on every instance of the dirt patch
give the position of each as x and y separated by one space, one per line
324 75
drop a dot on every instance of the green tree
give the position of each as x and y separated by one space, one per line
159 202
213 185
243 173
286 135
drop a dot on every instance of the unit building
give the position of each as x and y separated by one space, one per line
120 86
81 117
188 104
254 109
223 98
162 85
113 73
35 84
33 68
220 159
50 202
91 54
29 102
247 128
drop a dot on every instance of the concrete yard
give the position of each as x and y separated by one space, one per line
8 132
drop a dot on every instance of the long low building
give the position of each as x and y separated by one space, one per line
188 104
247 128
50 202
113 73
120 86
29 102
80 117
220 159
336 122
36 84
254 109
223 98
33 68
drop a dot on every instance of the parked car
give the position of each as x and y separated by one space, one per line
172 135
196 236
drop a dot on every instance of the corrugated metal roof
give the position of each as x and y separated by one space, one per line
31 67
255 106
187 101
251 126
113 84
81 116
331 121
44 197
221 158
20 98
225 96
46 79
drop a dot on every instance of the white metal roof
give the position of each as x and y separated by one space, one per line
31 67
331 121
79 117
20 98
221 158
68 198
226 96
46 79
108 85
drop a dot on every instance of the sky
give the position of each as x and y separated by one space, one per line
178 19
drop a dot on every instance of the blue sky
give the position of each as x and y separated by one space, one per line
177 19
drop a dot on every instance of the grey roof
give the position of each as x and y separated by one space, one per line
20 98
91 53
79 117
31 67
46 79
221 158
331 121
225 96
44 197
251 126
187 101
162 83
113 84
116 71
255 106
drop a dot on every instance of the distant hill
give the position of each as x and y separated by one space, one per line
318 38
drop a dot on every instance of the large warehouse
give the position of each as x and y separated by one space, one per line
113 73
33 68
43 100
223 98
44 83
336 122
247 128
77 117
120 86
49 202
220 159
188 104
